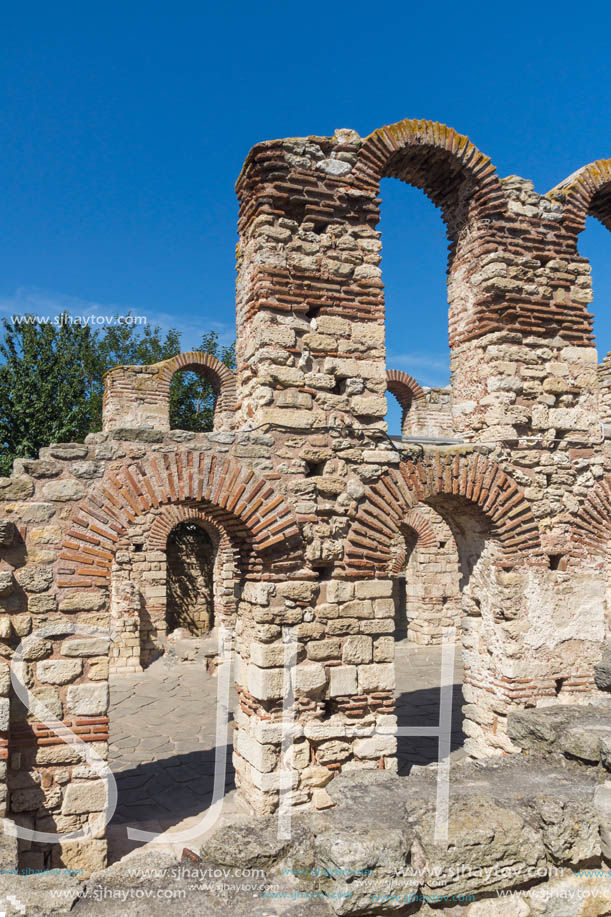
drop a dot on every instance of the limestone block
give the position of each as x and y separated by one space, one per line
41 603
30 512
59 671
377 626
267 655
34 578
357 648
372 406
5 680
301 754
263 757
5 712
343 680
381 456
98 669
16 488
374 589
346 367
357 609
50 698
324 649
290 398
88 700
303 591
385 608
376 677
90 855
384 649
321 799
68 451
333 750
340 591
315 775
330 729
21 624
317 341
265 684
310 679
86 646
66 754
87 470
84 797
375 746
64 490
33 649
83 601
258 593
27 800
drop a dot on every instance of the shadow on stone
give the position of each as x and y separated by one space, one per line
421 708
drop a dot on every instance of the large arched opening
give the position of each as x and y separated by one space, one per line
487 528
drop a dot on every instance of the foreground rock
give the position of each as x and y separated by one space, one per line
525 835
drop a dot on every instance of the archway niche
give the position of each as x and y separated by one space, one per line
190 579
179 570
427 585
448 579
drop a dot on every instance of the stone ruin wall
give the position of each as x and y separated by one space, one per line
309 496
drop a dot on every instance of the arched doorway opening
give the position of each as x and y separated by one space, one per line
190 579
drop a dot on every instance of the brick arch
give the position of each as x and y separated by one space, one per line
426 538
404 387
472 478
221 378
443 163
591 530
245 505
586 192
172 515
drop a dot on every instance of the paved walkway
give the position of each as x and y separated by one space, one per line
162 739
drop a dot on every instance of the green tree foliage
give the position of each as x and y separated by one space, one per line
51 380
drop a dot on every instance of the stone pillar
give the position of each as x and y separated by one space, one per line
343 715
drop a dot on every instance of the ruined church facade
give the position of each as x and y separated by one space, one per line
313 511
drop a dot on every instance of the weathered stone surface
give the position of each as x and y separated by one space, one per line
310 679
44 895
602 672
64 490
137 434
86 646
343 680
68 451
357 649
17 488
33 649
574 731
265 684
82 601
84 797
60 671
88 700
34 579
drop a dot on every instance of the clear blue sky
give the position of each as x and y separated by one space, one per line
124 126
